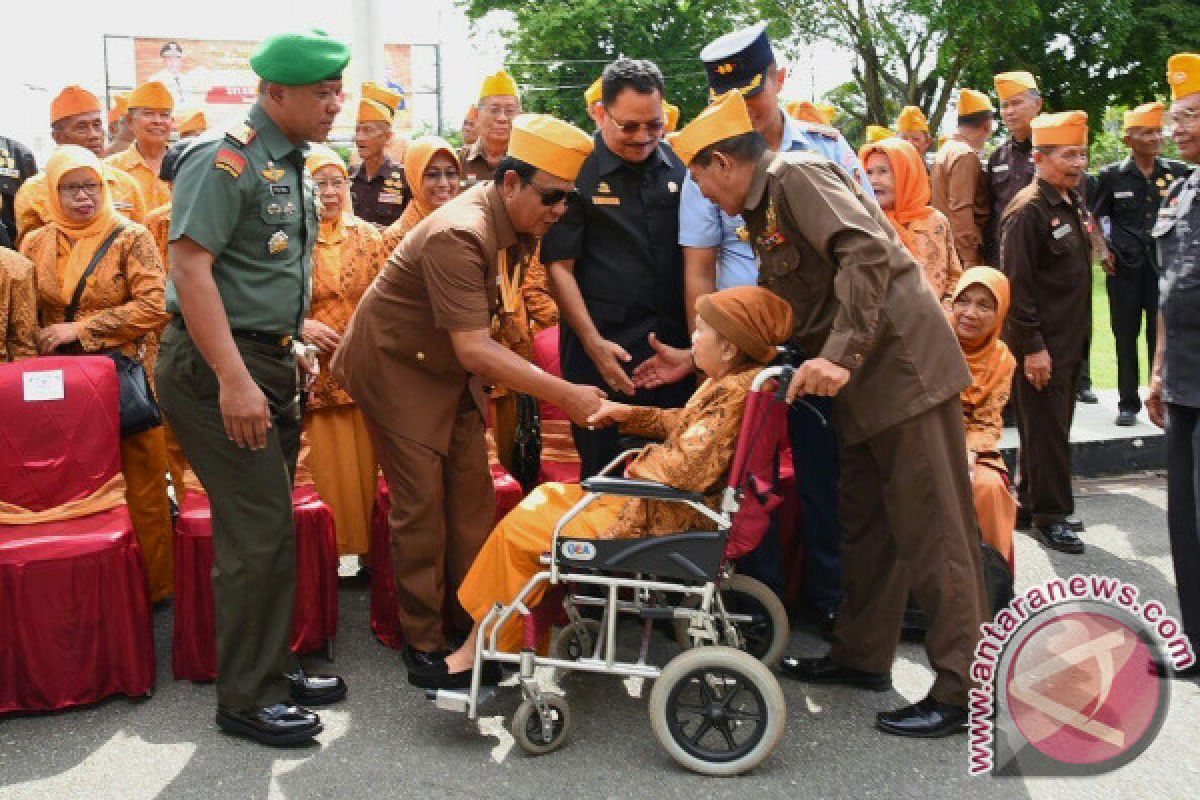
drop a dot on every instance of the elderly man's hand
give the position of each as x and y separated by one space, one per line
1039 369
817 376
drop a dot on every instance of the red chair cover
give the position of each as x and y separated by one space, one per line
384 621
556 427
75 622
314 619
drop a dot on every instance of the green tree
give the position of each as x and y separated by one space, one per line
558 49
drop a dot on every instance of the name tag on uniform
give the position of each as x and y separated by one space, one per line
121 205
9 172
607 201
1061 231
1122 195
277 188
1000 168
388 197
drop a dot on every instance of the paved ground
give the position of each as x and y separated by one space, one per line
386 740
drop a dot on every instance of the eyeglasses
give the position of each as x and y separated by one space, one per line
552 197
337 184
654 127
434 176
72 189
1184 117
500 109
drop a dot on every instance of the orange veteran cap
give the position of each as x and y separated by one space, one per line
725 118
549 144
1066 128
71 101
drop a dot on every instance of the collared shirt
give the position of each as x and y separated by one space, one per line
1130 200
126 194
960 191
244 197
382 199
475 166
17 165
1009 170
1178 234
703 224
155 191
622 235
1046 252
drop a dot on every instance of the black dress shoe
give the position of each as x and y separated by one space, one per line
1127 419
316 690
1088 396
417 659
1059 536
927 719
827 671
1075 524
437 676
280 725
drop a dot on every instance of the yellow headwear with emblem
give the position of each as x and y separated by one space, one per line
671 114
71 101
499 84
724 119
877 133
972 102
1147 115
1010 84
1066 128
549 144
152 94
806 111
1183 73
378 103
594 93
912 120
193 124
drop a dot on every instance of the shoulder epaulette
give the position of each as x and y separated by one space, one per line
241 134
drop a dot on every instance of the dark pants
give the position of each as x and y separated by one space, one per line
909 514
1183 511
250 492
1132 297
815 456
1044 460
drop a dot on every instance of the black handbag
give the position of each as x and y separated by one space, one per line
139 408
527 443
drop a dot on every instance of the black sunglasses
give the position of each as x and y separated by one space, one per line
552 197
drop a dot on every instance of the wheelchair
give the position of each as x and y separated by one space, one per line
715 708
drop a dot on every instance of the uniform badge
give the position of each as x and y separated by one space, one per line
277 243
272 173
672 187
602 188
1162 181
230 162
290 208
243 134
274 208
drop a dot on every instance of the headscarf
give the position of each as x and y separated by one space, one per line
85 238
989 359
416 160
912 190
333 228
753 318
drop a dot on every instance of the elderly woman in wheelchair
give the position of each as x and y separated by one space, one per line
737 334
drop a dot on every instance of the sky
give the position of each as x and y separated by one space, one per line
63 42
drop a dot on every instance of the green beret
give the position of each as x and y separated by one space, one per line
296 59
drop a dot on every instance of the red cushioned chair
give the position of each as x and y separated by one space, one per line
384 621
560 460
75 621
315 612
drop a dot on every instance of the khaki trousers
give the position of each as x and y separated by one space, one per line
144 462
906 504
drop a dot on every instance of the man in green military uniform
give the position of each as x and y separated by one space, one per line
243 223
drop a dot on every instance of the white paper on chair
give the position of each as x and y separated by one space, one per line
44 385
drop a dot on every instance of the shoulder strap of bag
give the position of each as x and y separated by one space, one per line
73 308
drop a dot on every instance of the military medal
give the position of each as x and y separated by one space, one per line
672 187
274 208
272 173
743 233
277 243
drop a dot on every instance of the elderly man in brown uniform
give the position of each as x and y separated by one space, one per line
1046 251
878 342
498 106
419 349
958 184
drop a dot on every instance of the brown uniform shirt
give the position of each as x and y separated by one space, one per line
960 191
1009 170
1046 252
475 166
859 297
396 358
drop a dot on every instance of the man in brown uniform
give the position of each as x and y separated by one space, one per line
498 106
878 342
1010 167
959 186
419 349
1046 252
377 184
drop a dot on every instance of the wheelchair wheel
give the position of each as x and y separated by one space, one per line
717 710
577 640
527 725
764 635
